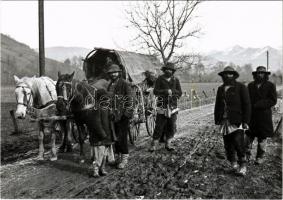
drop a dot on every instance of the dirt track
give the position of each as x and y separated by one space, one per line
206 173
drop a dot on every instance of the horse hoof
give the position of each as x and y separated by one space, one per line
95 175
53 158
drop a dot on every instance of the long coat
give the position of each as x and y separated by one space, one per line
97 121
238 104
122 99
262 99
161 91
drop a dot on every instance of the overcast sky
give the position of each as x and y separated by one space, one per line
102 24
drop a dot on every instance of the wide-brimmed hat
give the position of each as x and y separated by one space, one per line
113 68
261 69
169 66
229 69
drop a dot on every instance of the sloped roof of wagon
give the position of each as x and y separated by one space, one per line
137 63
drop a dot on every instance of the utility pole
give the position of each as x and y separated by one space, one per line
41 37
267 57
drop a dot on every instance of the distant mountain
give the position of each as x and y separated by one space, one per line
62 53
19 59
255 56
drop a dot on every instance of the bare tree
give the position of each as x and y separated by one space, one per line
163 25
184 61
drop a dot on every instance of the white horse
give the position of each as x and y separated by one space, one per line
39 93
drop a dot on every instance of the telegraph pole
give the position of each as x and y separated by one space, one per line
267 57
41 37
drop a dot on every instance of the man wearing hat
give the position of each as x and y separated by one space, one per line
232 112
263 96
167 89
122 110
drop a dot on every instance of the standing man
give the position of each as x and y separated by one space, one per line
168 91
232 112
122 110
263 97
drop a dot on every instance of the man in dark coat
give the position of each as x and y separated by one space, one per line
232 112
263 96
122 110
168 91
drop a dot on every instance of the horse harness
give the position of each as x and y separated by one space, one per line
26 100
69 98
64 96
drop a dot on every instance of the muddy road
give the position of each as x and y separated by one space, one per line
197 169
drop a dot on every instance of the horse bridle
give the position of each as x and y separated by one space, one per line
26 101
64 96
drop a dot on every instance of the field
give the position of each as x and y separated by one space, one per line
210 89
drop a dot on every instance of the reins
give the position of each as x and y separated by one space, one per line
71 97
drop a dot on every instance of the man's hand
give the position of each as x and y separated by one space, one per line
170 92
245 126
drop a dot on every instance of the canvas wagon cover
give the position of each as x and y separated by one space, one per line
135 64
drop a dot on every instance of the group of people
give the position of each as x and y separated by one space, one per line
242 113
167 88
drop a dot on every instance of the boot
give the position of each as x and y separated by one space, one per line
124 161
153 145
234 166
243 170
40 155
168 145
116 161
102 170
95 170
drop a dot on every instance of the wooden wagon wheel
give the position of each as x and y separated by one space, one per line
134 130
150 122
134 126
150 113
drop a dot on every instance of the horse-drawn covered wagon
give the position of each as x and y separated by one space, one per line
50 101
139 70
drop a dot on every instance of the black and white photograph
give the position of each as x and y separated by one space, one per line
173 99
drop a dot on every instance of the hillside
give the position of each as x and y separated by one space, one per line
62 53
255 56
19 59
